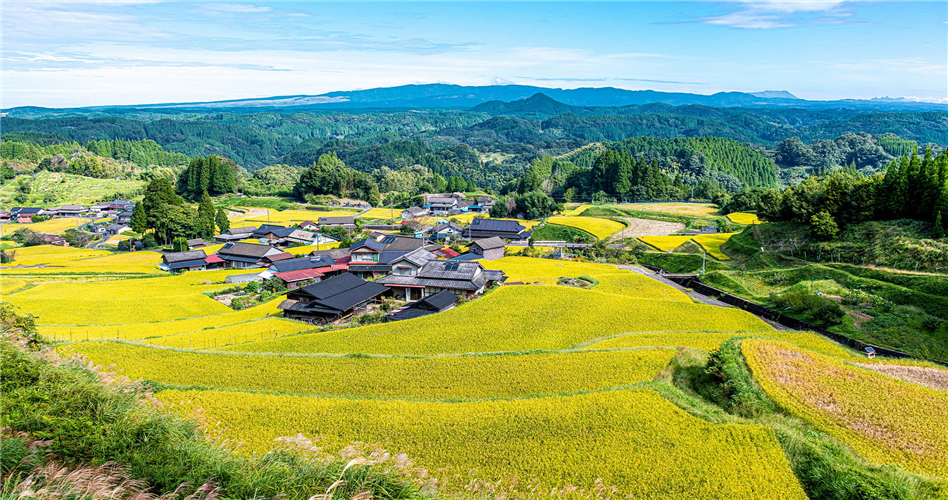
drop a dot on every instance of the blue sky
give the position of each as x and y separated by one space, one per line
72 53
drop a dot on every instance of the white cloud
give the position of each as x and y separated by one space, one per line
770 14
240 8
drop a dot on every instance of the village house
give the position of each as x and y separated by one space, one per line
464 279
236 234
191 260
300 278
345 222
124 217
330 299
113 229
67 211
414 212
52 239
439 302
487 228
196 243
446 229
488 248
309 225
245 255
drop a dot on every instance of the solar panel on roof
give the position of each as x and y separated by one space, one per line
388 239
453 266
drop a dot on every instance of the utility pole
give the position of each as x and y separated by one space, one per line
704 259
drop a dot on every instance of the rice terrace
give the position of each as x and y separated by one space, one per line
646 279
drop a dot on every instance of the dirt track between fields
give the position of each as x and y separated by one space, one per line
647 227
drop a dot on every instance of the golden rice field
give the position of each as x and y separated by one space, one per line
285 217
249 331
600 228
631 439
712 341
886 420
677 208
170 330
47 254
382 213
518 318
710 242
57 225
8 285
743 218
127 263
576 211
114 240
439 378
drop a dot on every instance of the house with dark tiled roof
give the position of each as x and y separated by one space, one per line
346 222
196 243
299 278
464 279
191 260
414 212
439 302
487 228
245 255
446 229
330 299
236 234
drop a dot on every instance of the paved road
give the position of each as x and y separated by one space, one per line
704 299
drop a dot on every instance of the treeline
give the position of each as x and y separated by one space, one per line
696 157
862 151
143 152
212 175
912 187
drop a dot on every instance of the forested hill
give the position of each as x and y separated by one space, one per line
702 155
255 140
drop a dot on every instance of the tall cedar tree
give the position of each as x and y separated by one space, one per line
221 220
206 215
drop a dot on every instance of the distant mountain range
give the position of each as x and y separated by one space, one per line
445 96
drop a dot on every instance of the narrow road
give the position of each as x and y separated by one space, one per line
704 299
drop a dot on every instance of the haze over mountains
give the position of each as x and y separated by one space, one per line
446 96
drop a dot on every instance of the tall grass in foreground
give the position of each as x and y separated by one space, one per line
100 430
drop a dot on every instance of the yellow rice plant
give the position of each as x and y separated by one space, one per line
382 213
438 378
126 262
156 329
532 270
576 211
58 225
632 284
630 439
115 310
518 318
665 243
8 285
598 227
743 218
212 338
47 254
712 244
887 420
712 341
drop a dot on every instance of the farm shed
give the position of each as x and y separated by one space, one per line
441 301
488 248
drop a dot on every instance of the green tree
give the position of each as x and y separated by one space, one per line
206 215
938 230
221 220
535 205
180 244
823 226
569 194
139 220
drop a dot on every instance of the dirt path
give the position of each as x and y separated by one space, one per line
647 227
